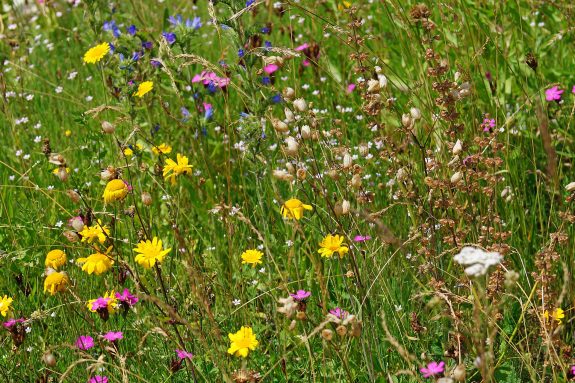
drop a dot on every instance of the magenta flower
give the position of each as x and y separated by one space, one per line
553 94
302 47
11 322
182 354
432 369
361 238
85 342
573 90
339 313
301 295
113 336
210 77
127 298
306 62
100 303
271 68
98 379
572 369
350 88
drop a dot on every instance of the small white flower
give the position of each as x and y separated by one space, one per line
236 302
58 89
59 224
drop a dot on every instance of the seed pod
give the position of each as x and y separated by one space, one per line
74 196
570 187
300 105
347 161
345 206
301 315
289 115
301 174
108 128
305 132
333 174
146 198
356 181
280 126
292 325
455 178
341 330
373 86
363 149
288 93
71 236
356 328
62 174
457 148
401 174
108 173
292 146
458 373
283 175
49 359
327 334
382 81
77 223
415 113
406 120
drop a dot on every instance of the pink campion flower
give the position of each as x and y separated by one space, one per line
100 303
572 369
98 379
302 47
112 336
11 322
85 342
183 354
350 88
126 298
553 94
573 90
339 313
488 124
271 68
301 295
432 369
306 62
210 77
361 238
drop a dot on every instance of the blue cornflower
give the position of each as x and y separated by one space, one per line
266 80
170 37
185 113
175 20
147 44
266 30
267 44
136 56
195 23
250 2
241 53
112 27
277 98
132 29
155 63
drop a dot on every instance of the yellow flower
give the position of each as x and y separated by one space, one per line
97 53
343 5
331 244
150 252
128 152
181 167
68 133
55 282
293 208
252 257
162 148
55 259
115 190
557 315
109 301
99 231
55 171
144 88
97 263
242 342
5 303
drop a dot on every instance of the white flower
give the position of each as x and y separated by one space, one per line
476 260
236 302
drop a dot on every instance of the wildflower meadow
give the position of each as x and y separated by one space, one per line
287 191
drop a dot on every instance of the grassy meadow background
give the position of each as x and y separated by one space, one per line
411 129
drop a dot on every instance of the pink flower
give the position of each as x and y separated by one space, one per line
573 90
127 298
339 313
301 295
100 303
432 369
182 354
113 336
572 369
302 47
210 77
98 379
306 62
350 88
553 94
85 342
11 322
361 238
271 68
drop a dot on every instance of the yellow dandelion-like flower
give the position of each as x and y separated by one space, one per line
98 231
56 282
172 169
150 252
128 152
162 148
242 342
252 257
116 190
5 303
144 88
55 258
558 314
97 53
293 208
332 244
96 263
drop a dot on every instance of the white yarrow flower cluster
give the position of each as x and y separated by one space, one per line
476 260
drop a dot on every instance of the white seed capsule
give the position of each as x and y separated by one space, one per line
280 126
406 120
455 178
356 181
415 113
457 148
347 161
289 115
345 206
292 146
300 105
373 86
570 187
289 93
108 128
305 132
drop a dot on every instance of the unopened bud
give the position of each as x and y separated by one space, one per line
49 359
341 330
74 196
280 126
415 113
71 236
345 206
406 120
455 178
288 93
289 115
108 128
305 132
457 148
458 373
347 161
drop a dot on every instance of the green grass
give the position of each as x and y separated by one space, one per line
415 304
